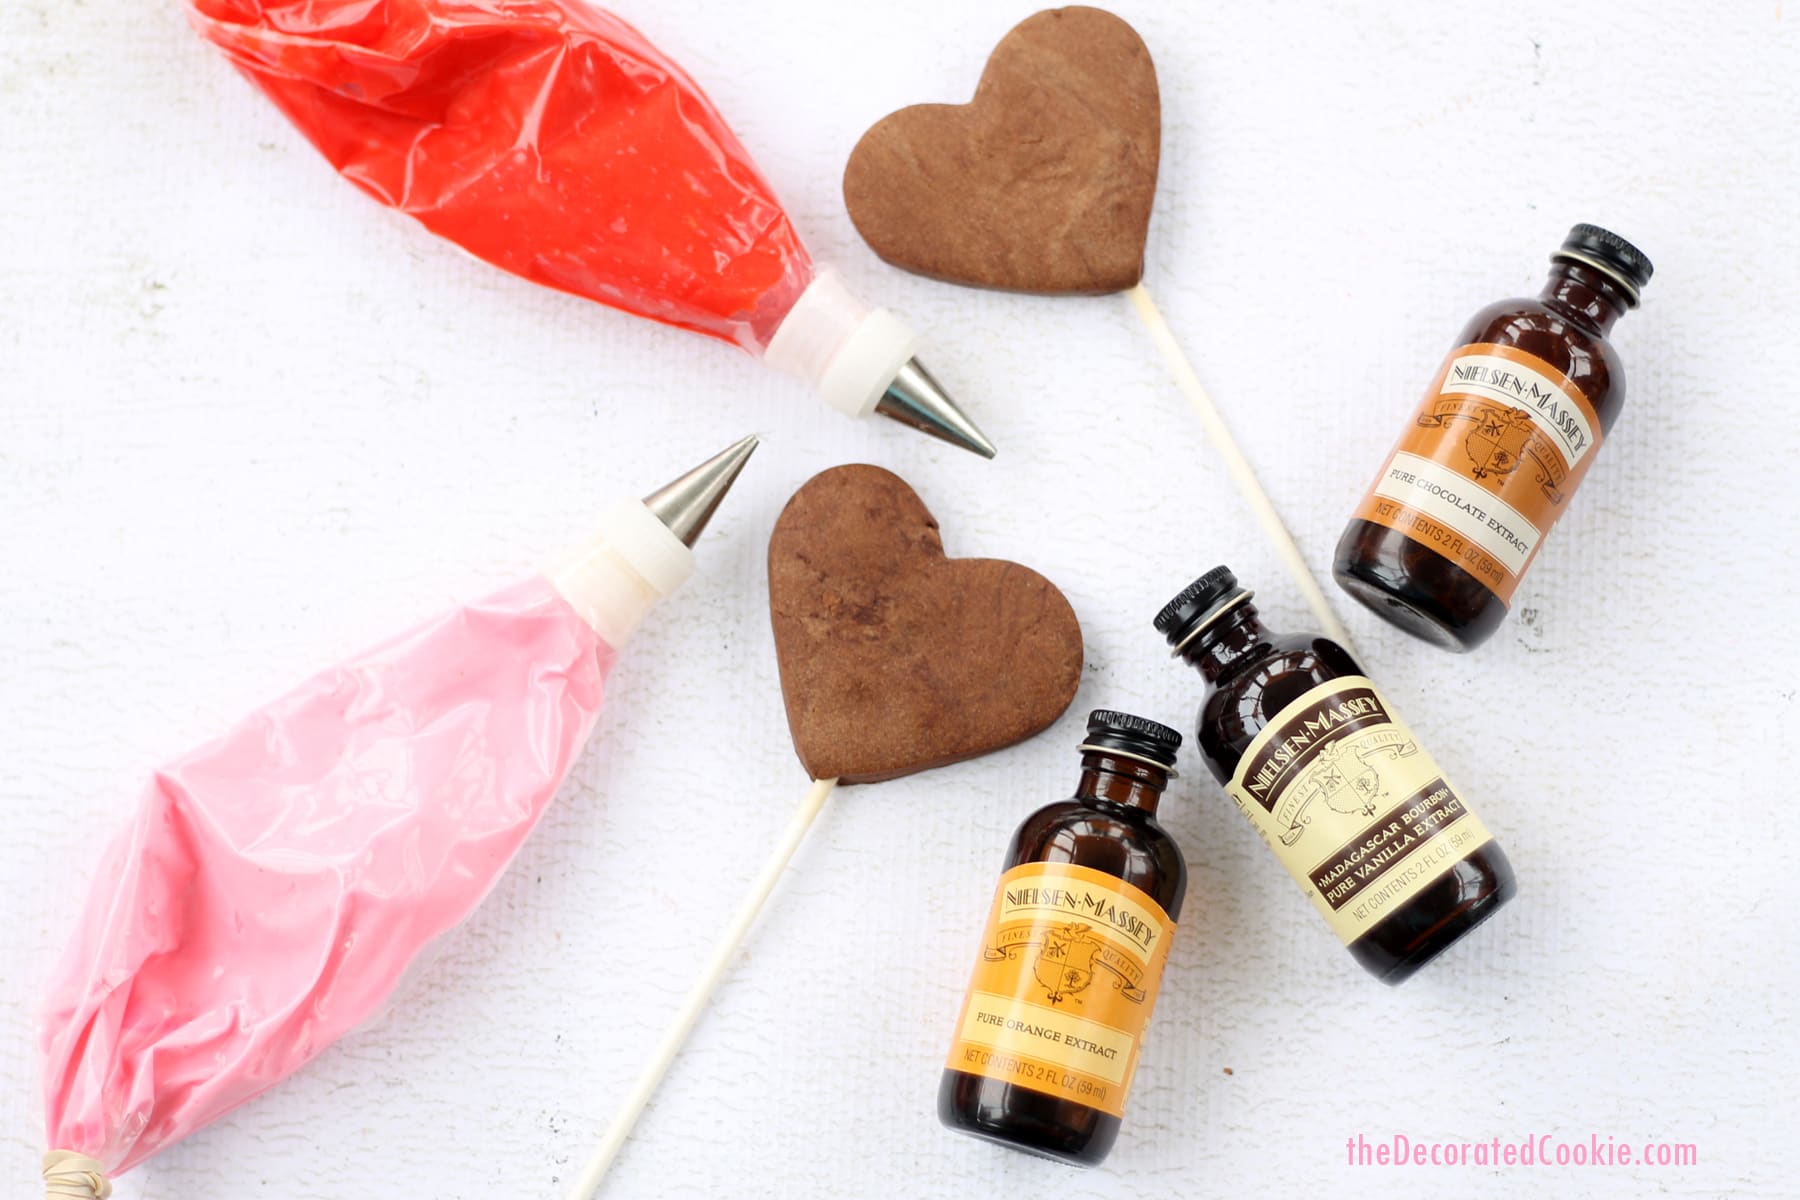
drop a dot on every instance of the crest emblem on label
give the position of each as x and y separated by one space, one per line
1065 962
1497 442
1346 778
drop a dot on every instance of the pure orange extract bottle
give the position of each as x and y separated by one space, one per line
1072 956
1491 457
1387 850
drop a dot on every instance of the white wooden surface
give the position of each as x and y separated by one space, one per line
249 421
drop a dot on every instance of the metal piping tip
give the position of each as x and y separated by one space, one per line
687 504
918 400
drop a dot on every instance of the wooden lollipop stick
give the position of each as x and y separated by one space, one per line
723 955
1238 465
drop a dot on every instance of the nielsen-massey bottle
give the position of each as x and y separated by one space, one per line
1314 755
1072 956
1502 439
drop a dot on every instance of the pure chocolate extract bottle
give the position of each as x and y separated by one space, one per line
1072 956
1490 459
1390 853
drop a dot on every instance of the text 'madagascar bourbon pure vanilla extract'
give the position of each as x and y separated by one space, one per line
1072 956
1505 434
1316 757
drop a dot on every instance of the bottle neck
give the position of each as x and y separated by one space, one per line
1122 781
1235 638
1587 296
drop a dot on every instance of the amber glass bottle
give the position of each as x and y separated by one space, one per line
1505 434
1333 780
1072 957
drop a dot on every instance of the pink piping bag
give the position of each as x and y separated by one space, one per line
553 140
274 885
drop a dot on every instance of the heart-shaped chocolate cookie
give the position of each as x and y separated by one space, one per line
1043 183
895 658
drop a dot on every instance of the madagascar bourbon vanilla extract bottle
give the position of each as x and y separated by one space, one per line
1315 756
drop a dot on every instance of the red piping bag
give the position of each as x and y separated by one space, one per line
554 141
273 886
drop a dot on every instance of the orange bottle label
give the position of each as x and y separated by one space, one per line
1488 463
1070 966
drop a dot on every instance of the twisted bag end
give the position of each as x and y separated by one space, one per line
72 1176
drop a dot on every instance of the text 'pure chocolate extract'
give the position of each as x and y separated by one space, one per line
1502 439
1388 851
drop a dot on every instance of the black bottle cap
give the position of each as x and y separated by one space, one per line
1135 737
1606 251
1198 603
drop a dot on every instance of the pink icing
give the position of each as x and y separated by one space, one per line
274 885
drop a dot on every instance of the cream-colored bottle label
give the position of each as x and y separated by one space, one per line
1070 966
1352 805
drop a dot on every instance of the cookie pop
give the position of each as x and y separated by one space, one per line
894 659
554 141
1044 183
274 886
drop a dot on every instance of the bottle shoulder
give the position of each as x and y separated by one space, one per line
1246 700
1125 843
1581 353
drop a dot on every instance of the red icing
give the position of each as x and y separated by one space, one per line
544 136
